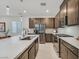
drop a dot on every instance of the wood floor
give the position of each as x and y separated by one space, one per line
46 51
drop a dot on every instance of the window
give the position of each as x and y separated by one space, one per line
16 27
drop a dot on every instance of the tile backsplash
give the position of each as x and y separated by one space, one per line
71 30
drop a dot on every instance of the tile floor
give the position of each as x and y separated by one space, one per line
46 51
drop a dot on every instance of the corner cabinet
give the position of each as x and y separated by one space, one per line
68 51
31 52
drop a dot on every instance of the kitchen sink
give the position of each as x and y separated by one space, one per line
63 35
27 38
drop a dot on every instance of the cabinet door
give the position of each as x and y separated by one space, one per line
71 55
37 20
57 19
63 13
64 52
24 55
37 46
49 38
32 53
72 12
50 23
42 38
31 23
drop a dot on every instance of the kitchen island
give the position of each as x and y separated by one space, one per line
15 48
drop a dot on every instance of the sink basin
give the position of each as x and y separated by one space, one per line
27 38
63 35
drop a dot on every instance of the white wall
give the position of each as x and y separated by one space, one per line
25 22
8 21
2 19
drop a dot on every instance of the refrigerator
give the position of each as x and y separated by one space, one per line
40 28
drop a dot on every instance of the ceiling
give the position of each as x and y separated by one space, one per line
32 7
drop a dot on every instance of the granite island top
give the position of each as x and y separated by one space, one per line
12 47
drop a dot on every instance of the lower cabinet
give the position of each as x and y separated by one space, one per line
63 52
68 51
31 52
24 55
71 55
42 38
48 37
36 47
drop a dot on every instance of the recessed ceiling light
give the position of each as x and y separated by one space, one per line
7 10
47 11
25 11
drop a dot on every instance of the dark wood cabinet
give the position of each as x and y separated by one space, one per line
49 22
63 13
24 55
73 11
57 20
69 8
31 23
49 38
68 51
64 52
37 20
71 55
36 47
31 52
42 38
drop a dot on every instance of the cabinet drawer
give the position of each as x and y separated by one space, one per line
70 47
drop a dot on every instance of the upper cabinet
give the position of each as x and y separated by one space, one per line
31 23
69 13
72 12
49 22
63 13
57 20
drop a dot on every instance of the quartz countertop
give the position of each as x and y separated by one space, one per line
12 47
71 40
